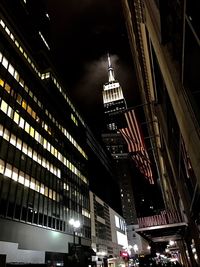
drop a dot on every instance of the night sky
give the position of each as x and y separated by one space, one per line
82 34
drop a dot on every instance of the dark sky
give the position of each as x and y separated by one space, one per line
83 32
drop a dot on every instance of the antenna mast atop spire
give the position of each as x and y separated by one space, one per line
111 75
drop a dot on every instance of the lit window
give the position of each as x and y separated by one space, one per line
42 189
21 123
29 110
35 156
16 76
37 186
19 99
27 127
30 151
16 117
4 106
16 43
48 146
7 88
21 177
19 144
44 162
1 130
15 174
5 62
21 49
25 148
32 131
2 23
37 136
24 104
6 135
32 184
8 170
50 193
10 112
46 191
44 143
13 140
11 69
21 82
12 37
27 180
1 82
58 173
1 166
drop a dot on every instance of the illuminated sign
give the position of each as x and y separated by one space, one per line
123 254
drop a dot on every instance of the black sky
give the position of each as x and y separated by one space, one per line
82 33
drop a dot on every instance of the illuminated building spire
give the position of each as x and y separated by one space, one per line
111 76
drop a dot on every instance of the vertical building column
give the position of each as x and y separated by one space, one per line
188 241
184 258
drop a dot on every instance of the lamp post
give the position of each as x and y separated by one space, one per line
76 224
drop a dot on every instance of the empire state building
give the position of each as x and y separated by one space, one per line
114 108
113 99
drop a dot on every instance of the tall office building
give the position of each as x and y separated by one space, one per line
164 40
113 99
114 105
109 236
43 158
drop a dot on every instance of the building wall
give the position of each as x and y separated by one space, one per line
109 244
14 254
43 160
163 38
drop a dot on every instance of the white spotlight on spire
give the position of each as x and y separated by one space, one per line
111 76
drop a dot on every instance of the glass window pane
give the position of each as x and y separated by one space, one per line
11 69
8 170
2 166
4 106
16 117
5 62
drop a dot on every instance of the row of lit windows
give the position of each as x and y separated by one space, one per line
6 64
85 213
112 95
74 119
31 112
19 176
17 142
7 30
18 78
114 110
109 86
34 134
44 40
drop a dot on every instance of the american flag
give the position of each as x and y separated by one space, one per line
136 146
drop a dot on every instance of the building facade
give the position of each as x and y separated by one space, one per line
109 236
114 105
164 39
43 159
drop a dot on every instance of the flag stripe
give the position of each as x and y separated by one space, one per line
136 146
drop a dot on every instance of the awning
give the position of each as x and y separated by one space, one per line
163 233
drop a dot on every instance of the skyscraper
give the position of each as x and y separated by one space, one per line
43 151
114 105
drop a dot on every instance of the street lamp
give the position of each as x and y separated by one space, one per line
76 224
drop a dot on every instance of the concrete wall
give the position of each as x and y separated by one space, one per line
31 237
13 254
